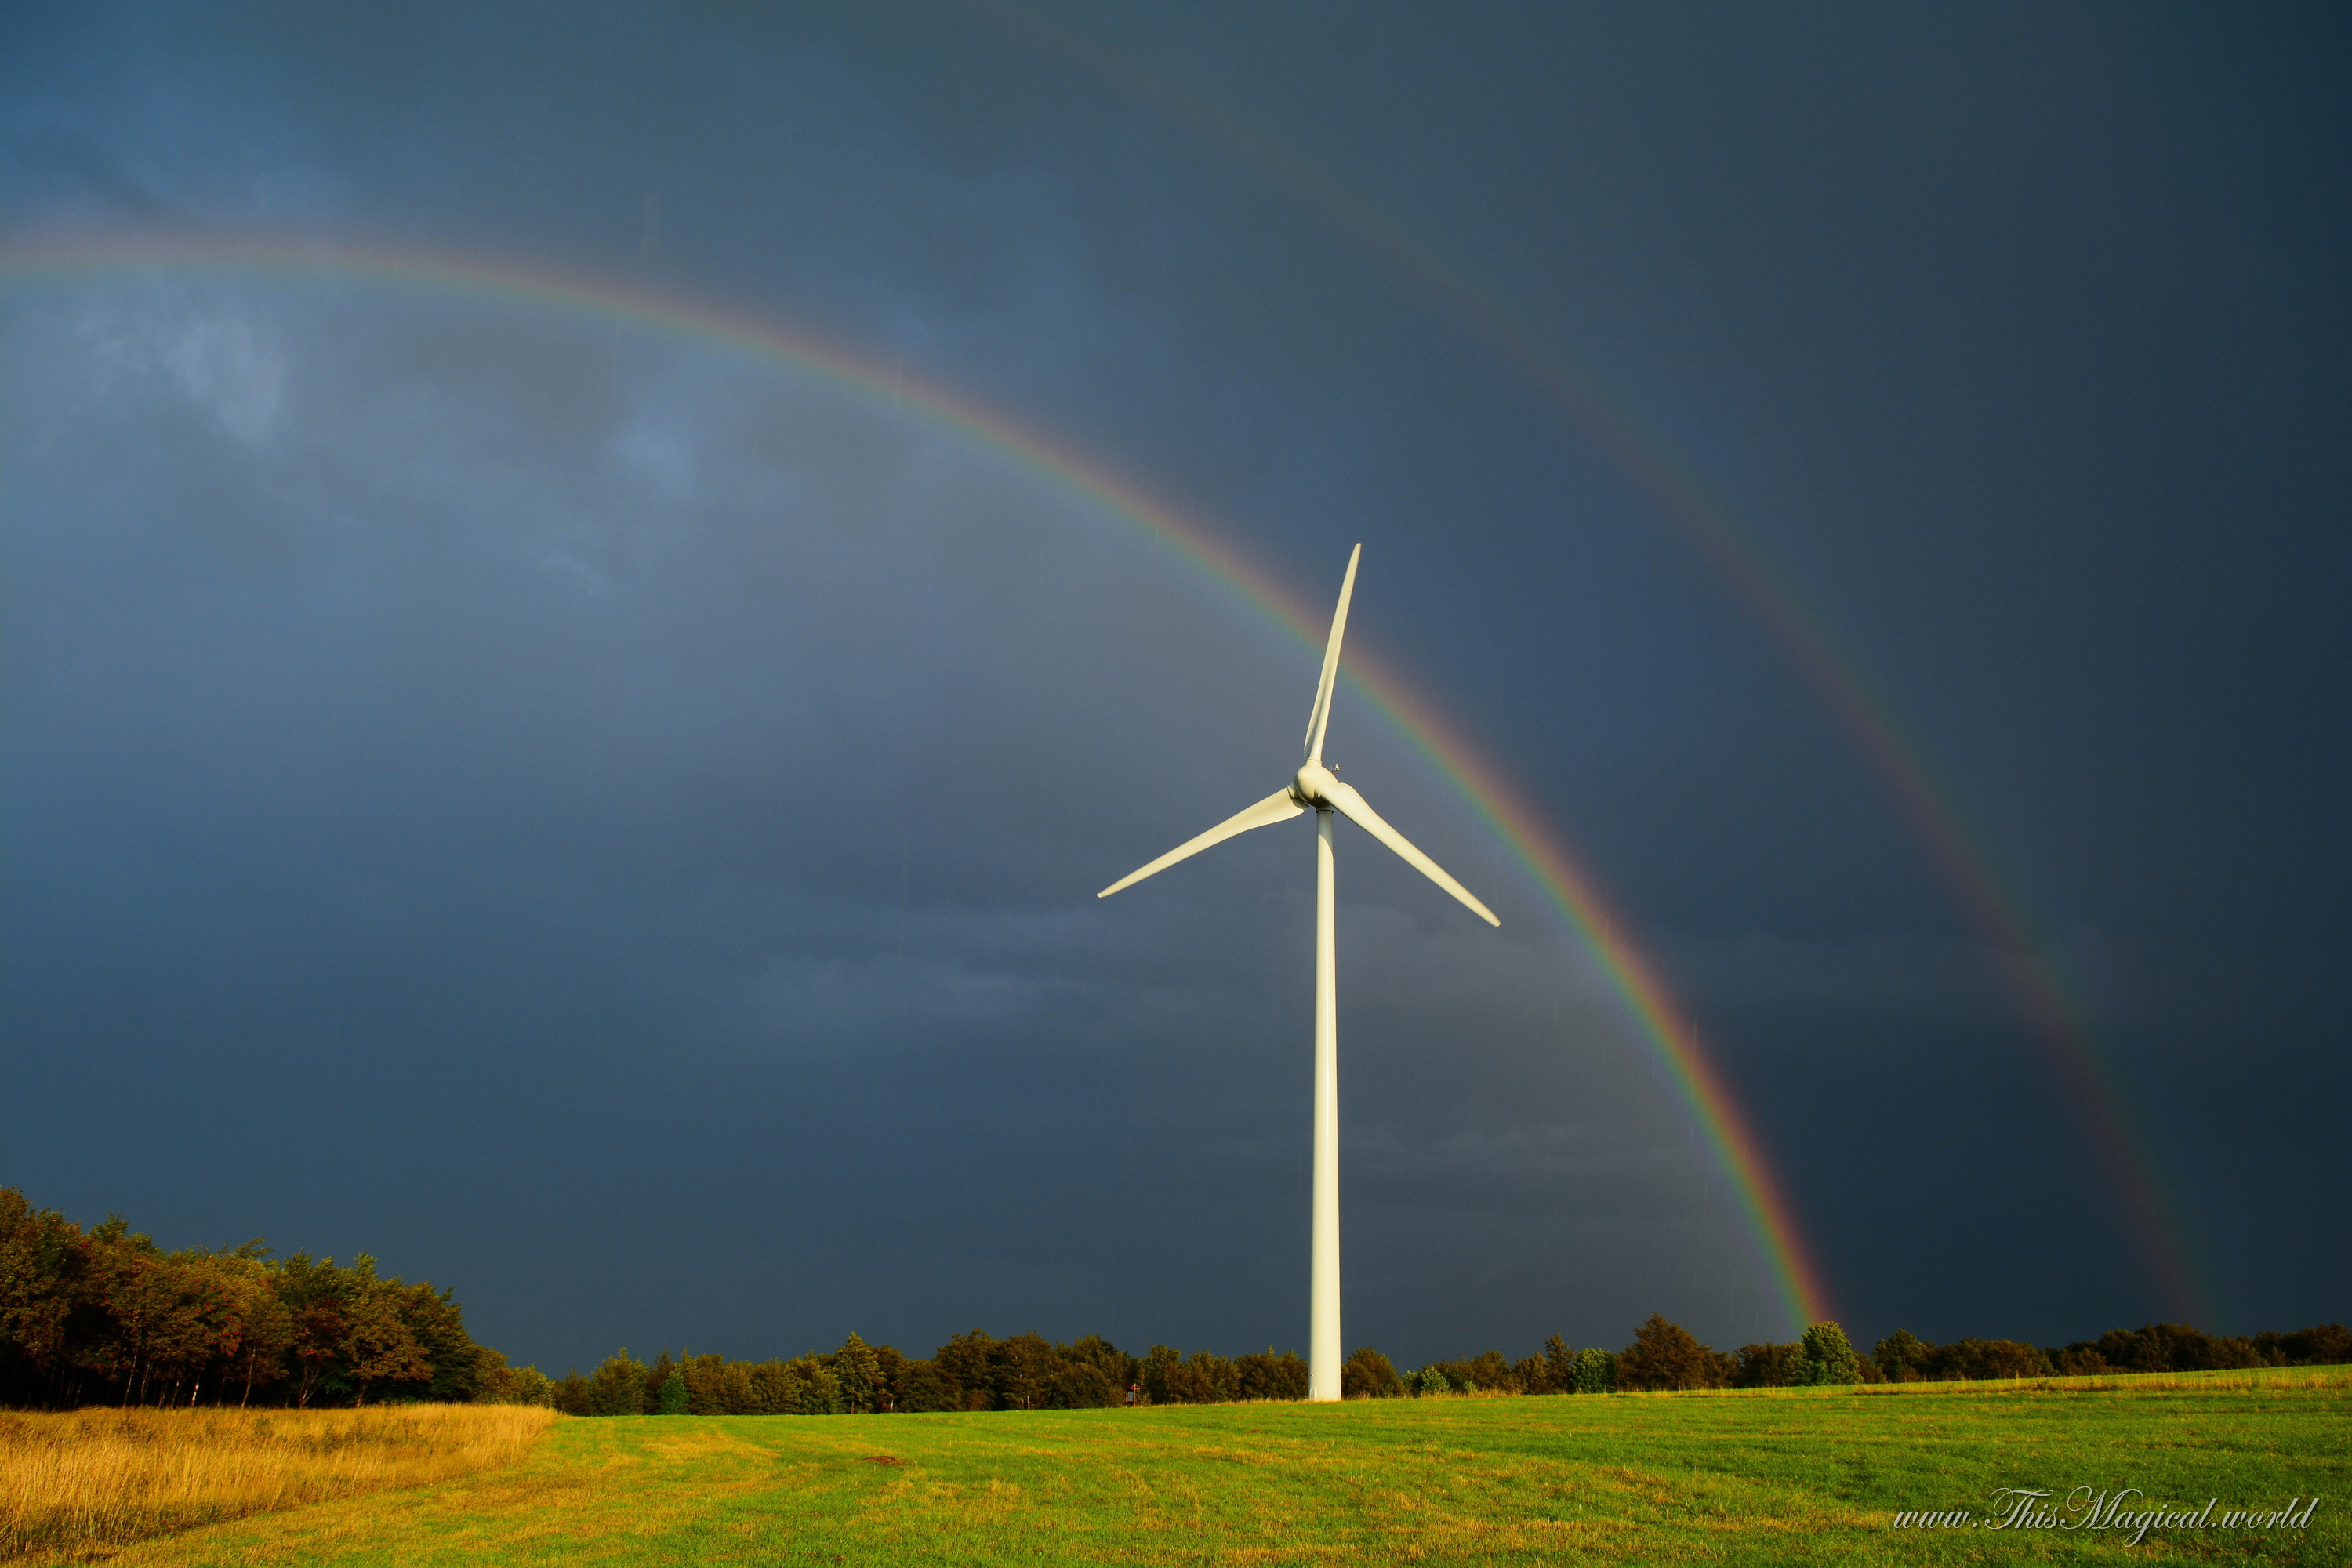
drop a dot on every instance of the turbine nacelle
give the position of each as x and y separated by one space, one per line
1312 784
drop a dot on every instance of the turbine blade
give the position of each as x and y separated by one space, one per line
1321 716
1357 810
1279 806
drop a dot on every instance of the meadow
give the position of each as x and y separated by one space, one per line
1764 1477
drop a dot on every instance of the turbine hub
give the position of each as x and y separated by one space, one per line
1312 779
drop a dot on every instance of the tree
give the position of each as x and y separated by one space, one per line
1368 1375
453 1361
317 1343
1115 1363
347 1331
1272 1377
811 1389
1827 1358
1207 1378
772 1389
260 1330
1485 1370
859 1370
377 1345
571 1395
2175 1347
2322 1345
655 1376
171 1312
1551 1370
1020 1368
1080 1385
618 1387
1560 1364
126 1278
1986 1359
1665 1355
1157 1363
1769 1366
1594 1371
717 1386
1902 1357
966 1363
925 1387
42 1262
504 1385
2079 1360
893 1367
313 1290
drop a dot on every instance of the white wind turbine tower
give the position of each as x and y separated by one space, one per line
1316 786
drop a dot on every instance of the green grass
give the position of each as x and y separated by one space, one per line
1782 1477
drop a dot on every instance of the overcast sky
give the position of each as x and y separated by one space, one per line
609 821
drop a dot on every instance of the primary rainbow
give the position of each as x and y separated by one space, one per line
1542 851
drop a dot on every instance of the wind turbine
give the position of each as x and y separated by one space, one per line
1317 786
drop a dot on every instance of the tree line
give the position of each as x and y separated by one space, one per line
971 1372
1664 1355
105 1316
974 1372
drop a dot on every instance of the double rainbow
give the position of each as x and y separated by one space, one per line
1542 851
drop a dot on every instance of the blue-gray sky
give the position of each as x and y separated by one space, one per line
609 824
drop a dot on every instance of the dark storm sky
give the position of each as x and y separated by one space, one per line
609 824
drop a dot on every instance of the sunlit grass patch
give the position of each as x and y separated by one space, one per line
88 1479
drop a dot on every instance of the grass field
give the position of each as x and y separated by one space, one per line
1767 1477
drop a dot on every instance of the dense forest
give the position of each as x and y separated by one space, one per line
105 1316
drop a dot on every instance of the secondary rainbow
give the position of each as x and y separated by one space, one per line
1542 852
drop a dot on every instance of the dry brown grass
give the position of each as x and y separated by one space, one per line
90 1479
